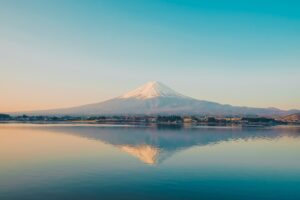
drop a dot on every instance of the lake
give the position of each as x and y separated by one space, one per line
136 162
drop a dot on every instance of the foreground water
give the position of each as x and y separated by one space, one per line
115 162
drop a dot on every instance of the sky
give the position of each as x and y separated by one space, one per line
62 53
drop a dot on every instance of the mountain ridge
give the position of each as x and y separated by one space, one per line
152 89
155 98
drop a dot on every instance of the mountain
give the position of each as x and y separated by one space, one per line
291 118
155 98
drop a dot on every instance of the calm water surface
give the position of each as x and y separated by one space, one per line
107 162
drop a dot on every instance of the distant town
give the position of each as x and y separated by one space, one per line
157 119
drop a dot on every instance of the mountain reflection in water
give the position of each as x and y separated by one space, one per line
153 145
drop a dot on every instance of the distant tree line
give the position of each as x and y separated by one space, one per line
169 119
146 119
4 117
258 119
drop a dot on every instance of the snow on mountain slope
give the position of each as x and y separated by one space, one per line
155 98
151 90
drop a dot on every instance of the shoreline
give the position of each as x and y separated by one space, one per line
143 124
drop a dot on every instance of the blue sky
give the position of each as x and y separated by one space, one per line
59 53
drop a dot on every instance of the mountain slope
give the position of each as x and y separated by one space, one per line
292 118
150 90
157 98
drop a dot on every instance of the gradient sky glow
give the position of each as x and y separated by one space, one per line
61 53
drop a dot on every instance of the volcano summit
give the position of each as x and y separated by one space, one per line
155 98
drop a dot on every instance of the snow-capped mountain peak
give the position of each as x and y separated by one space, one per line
151 89
155 98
